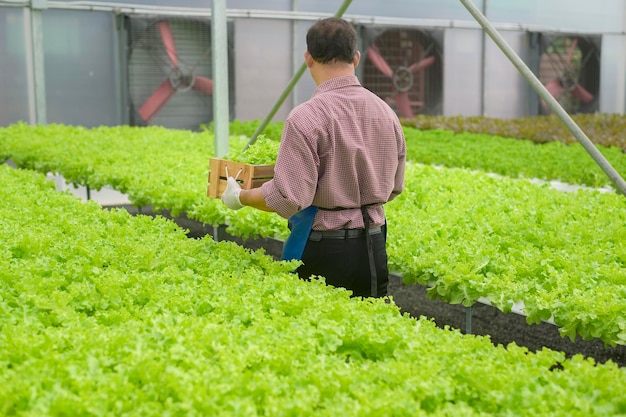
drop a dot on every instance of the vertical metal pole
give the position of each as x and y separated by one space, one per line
120 42
547 97
219 58
37 60
30 70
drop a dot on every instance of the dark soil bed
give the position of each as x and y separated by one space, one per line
480 319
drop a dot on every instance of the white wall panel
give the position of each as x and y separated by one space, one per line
505 88
462 72
13 69
416 9
613 74
80 76
263 56
580 15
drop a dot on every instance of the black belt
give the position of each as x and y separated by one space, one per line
317 235
353 233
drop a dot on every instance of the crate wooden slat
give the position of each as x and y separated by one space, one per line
251 176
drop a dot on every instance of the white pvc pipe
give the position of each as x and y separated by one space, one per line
38 67
30 66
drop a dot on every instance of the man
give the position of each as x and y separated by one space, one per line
341 157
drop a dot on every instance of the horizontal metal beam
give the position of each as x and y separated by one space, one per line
123 8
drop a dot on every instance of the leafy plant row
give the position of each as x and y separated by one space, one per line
465 234
103 313
515 158
469 235
164 168
601 128
530 147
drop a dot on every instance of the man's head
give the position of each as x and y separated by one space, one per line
332 40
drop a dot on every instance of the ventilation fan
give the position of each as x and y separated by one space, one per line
570 70
404 67
169 72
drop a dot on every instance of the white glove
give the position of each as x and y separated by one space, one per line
230 197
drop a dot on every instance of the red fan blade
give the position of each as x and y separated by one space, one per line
157 100
404 107
379 62
571 51
554 87
168 42
581 94
203 84
422 64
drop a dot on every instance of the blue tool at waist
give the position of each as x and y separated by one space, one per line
300 225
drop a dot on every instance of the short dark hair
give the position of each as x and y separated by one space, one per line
332 40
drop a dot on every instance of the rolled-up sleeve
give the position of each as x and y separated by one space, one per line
296 171
275 200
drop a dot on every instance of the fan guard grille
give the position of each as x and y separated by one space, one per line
149 66
415 64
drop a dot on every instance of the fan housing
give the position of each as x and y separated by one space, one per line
169 71
404 66
569 68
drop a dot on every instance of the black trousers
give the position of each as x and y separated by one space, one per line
344 263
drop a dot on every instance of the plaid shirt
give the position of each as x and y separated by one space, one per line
342 148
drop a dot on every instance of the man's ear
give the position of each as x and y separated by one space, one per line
357 58
308 59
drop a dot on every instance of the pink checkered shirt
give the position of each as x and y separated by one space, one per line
343 148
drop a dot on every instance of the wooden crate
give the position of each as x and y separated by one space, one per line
251 176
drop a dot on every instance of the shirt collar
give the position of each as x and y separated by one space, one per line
336 83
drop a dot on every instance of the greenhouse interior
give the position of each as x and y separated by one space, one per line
129 286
